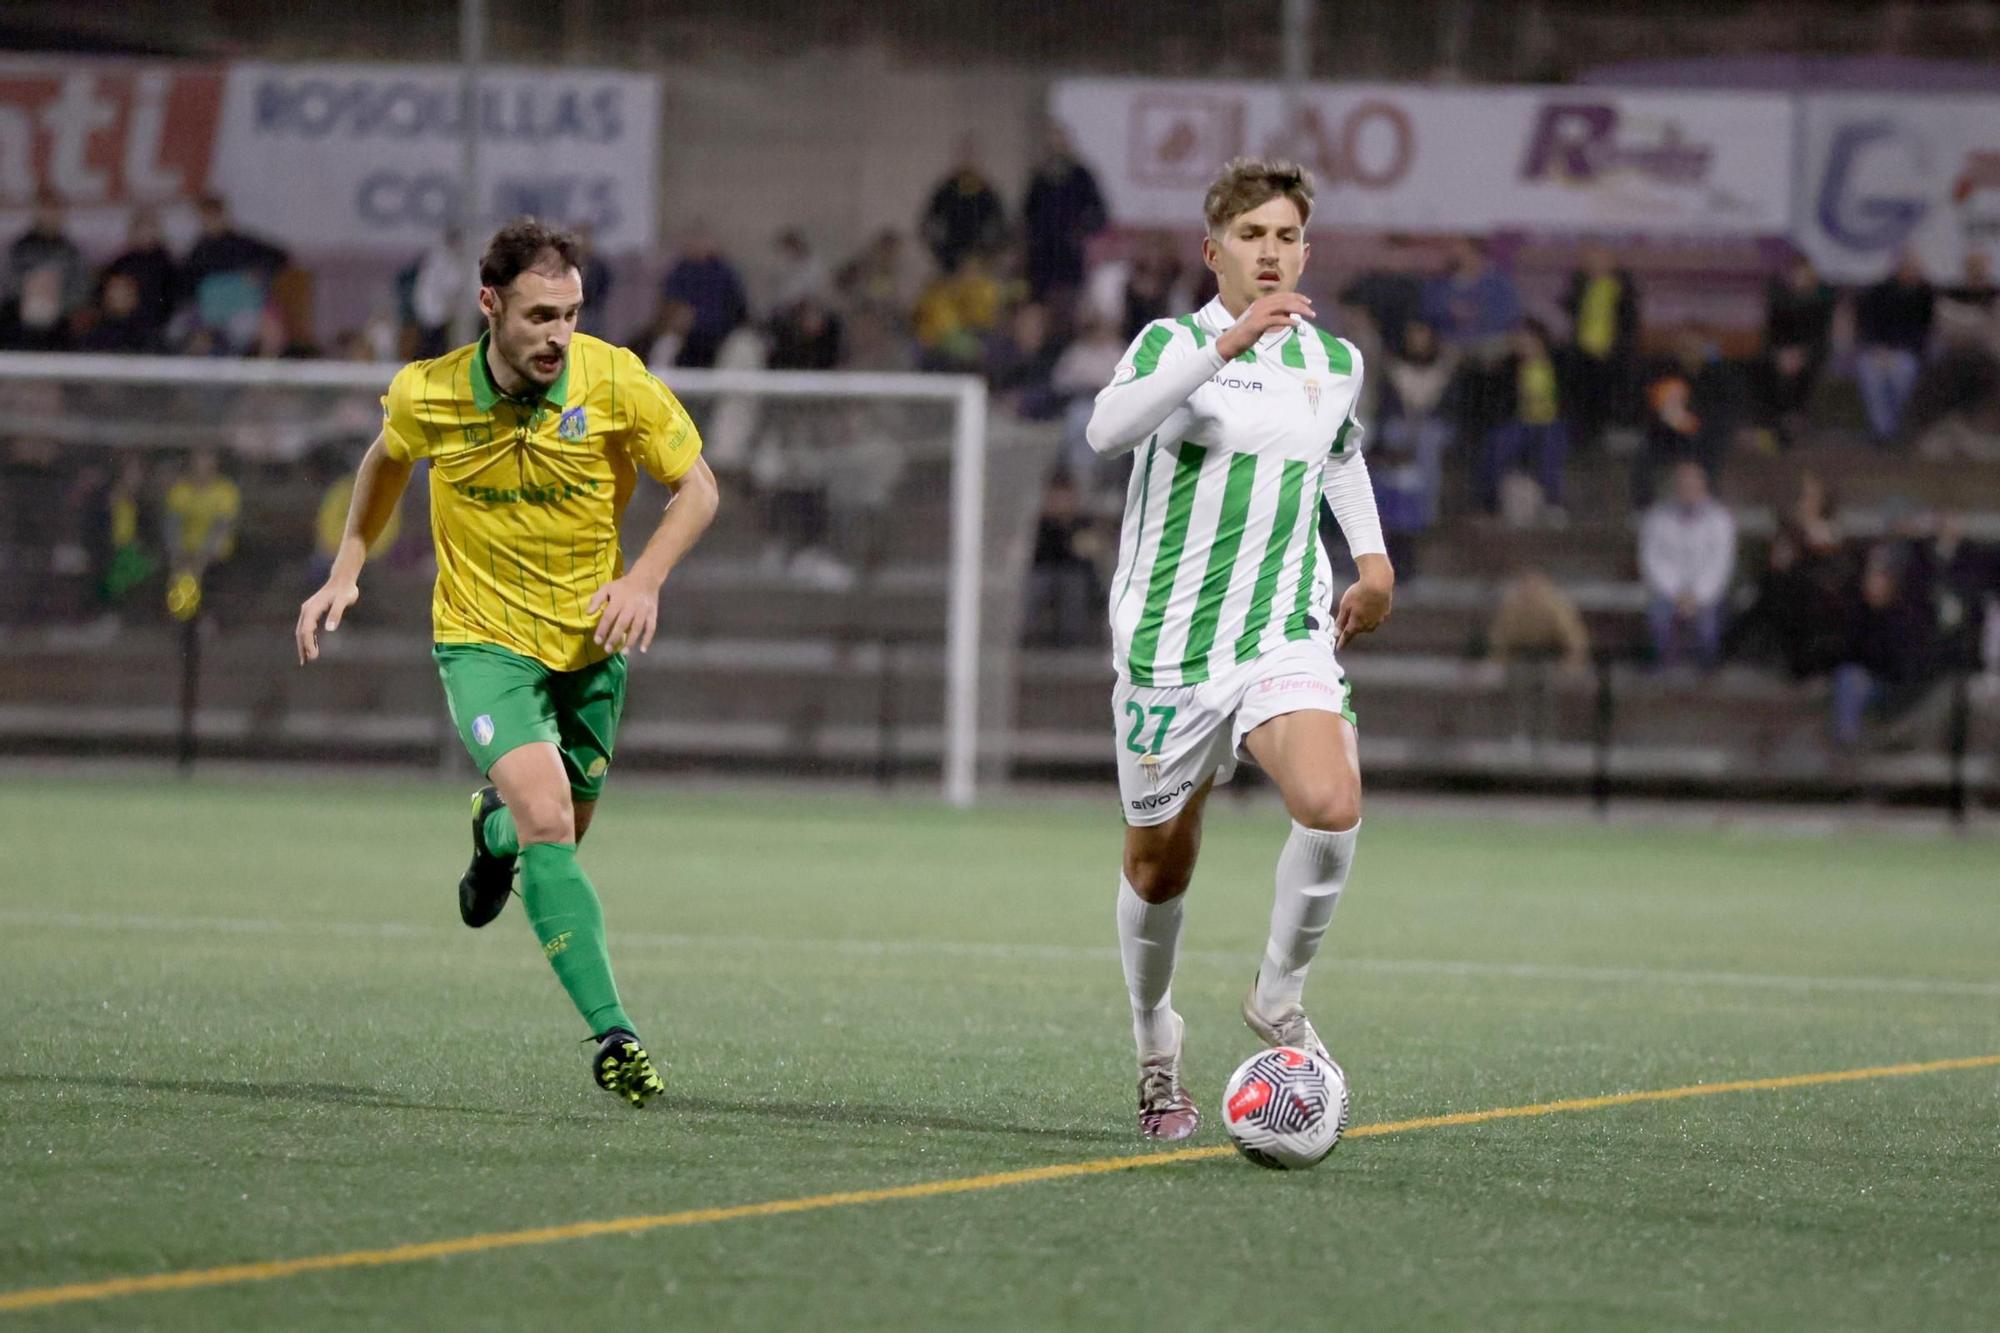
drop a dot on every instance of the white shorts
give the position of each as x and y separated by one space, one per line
1171 739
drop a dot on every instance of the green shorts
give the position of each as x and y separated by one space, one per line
501 701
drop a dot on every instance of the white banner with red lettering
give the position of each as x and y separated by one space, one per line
334 156
1448 160
1884 174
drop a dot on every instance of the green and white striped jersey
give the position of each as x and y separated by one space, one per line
1220 558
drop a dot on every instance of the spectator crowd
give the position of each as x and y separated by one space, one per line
1484 392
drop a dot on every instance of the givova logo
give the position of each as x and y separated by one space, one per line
1160 800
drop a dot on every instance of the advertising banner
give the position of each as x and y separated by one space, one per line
368 155
335 156
1390 157
1884 174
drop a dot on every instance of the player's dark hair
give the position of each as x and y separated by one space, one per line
1251 182
527 245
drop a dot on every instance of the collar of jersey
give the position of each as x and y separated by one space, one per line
1219 321
485 393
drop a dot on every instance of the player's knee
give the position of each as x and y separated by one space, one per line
545 819
1328 809
1157 880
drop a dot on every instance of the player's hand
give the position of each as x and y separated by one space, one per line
631 613
1276 311
1363 606
328 604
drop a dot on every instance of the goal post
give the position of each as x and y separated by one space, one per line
902 600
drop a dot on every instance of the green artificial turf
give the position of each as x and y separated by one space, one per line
243 1023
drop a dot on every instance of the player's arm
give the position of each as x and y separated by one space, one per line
1167 363
1351 496
378 489
663 440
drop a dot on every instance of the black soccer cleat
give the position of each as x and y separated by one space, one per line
622 1066
484 887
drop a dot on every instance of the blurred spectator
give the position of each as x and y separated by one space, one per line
1062 212
446 283
226 278
805 335
119 324
150 266
964 217
659 341
1798 612
1687 554
1537 622
1694 408
1154 286
1603 307
1532 429
123 558
877 278
954 316
1413 432
1085 367
202 509
1474 303
1892 329
330 522
733 422
1393 299
1890 657
1062 581
33 321
1021 365
710 287
1966 314
1798 330
596 276
46 279
799 274
1959 579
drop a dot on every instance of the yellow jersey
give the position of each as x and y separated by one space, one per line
526 492
199 508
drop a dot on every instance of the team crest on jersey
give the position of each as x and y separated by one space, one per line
482 728
574 425
1312 395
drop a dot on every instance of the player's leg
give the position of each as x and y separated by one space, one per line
561 902
499 701
1158 867
1168 759
588 703
1312 755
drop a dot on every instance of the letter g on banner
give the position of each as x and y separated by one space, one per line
1857 207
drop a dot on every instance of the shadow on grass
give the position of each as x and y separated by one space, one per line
345 1094
886 1117
326 1094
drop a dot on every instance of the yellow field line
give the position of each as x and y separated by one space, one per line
229 1274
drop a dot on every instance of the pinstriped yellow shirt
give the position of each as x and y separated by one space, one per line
526 493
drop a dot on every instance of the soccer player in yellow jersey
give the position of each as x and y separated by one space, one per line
535 435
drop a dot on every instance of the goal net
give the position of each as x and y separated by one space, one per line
854 612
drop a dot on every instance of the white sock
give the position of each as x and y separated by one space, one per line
1149 936
1311 872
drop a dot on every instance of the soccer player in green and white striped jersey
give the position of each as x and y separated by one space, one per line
1223 619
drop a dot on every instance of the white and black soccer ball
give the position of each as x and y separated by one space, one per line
1285 1108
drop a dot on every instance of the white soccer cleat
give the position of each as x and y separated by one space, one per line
1166 1113
1288 1027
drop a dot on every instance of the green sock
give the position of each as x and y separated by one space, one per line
569 922
502 839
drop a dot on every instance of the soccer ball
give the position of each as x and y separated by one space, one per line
1285 1108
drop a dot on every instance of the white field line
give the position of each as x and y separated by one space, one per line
1000 951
